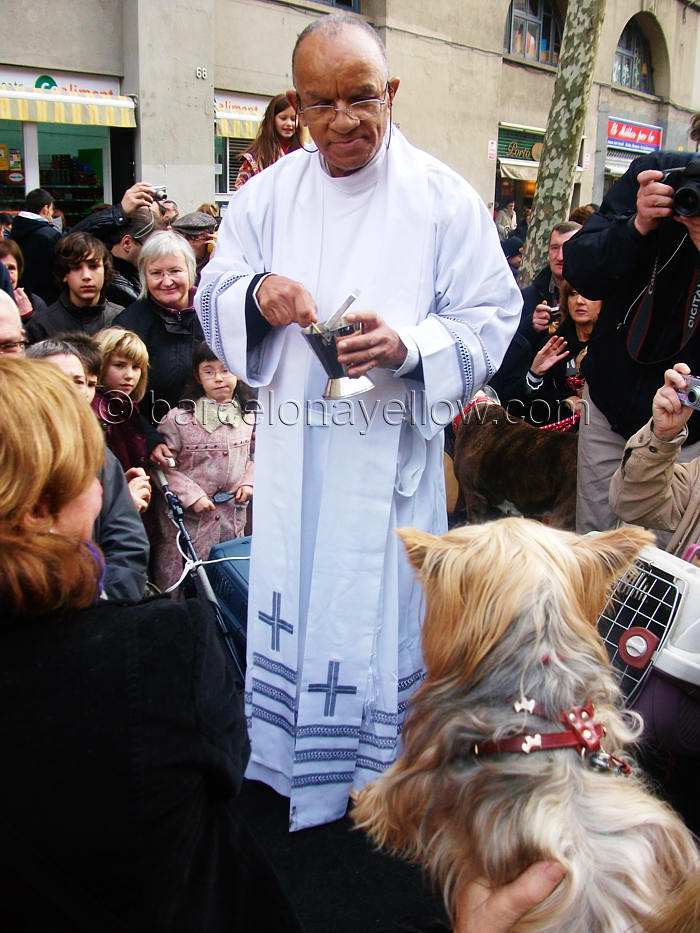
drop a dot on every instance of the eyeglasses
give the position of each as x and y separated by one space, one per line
13 346
318 114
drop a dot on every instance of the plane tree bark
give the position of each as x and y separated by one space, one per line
562 140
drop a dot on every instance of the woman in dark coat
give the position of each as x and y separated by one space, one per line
165 319
124 738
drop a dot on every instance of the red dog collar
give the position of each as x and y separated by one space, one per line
580 731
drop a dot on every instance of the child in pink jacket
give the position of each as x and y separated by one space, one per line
210 438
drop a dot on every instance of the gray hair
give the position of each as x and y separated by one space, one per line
164 243
332 25
51 347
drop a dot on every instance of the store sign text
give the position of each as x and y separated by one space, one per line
637 137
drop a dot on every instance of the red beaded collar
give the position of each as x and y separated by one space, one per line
580 731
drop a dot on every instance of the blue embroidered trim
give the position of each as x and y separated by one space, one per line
259 712
326 754
313 732
274 667
463 357
407 682
313 780
366 738
207 303
382 717
371 764
280 696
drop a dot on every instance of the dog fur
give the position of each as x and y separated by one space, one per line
498 457
511 611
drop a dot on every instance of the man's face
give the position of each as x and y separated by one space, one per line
199 243
73 368
556 253
85 282
339 70
12 337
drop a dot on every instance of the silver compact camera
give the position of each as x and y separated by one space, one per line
690 396
160 193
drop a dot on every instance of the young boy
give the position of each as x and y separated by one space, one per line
83 269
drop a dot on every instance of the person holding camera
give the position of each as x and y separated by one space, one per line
642 258
650 487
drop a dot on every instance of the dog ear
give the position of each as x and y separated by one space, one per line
614 551
417 544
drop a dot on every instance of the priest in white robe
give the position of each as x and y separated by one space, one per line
334 614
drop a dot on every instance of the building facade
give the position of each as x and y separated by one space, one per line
95 93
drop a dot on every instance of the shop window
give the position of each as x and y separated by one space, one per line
227 151
72 165
632 65
353 5
533 31
12 168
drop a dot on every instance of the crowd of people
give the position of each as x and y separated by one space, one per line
144 341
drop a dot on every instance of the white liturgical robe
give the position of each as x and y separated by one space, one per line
334 613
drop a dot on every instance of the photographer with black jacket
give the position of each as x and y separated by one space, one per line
643 260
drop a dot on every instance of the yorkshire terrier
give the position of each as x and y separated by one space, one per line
516 745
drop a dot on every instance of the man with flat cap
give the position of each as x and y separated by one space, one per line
334 613
198 229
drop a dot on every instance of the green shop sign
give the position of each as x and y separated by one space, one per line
525 145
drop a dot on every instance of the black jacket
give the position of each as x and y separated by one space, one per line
170 339
63 316
120 534
610 259
126 748
37 239
125 286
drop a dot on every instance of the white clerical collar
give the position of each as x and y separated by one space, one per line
365 175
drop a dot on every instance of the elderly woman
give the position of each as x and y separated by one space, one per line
164 318
124 722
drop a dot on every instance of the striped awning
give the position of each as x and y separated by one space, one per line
58 106
236 129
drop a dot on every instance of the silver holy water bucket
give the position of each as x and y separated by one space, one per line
323 343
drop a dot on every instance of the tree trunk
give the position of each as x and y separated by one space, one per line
555 178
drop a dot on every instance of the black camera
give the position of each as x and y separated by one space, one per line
685 182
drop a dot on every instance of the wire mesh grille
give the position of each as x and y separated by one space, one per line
646 597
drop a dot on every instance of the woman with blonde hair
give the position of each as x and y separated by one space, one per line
278 135
124 722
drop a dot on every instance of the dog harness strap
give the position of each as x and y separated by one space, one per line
580 731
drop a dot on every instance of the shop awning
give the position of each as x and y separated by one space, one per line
58 106
235 128
617 163
520 170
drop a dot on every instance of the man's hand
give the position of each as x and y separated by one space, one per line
139 487
139 195
555 350
669 416
377 345
541 317
495 910
160 455
23 303
283 301
654 201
